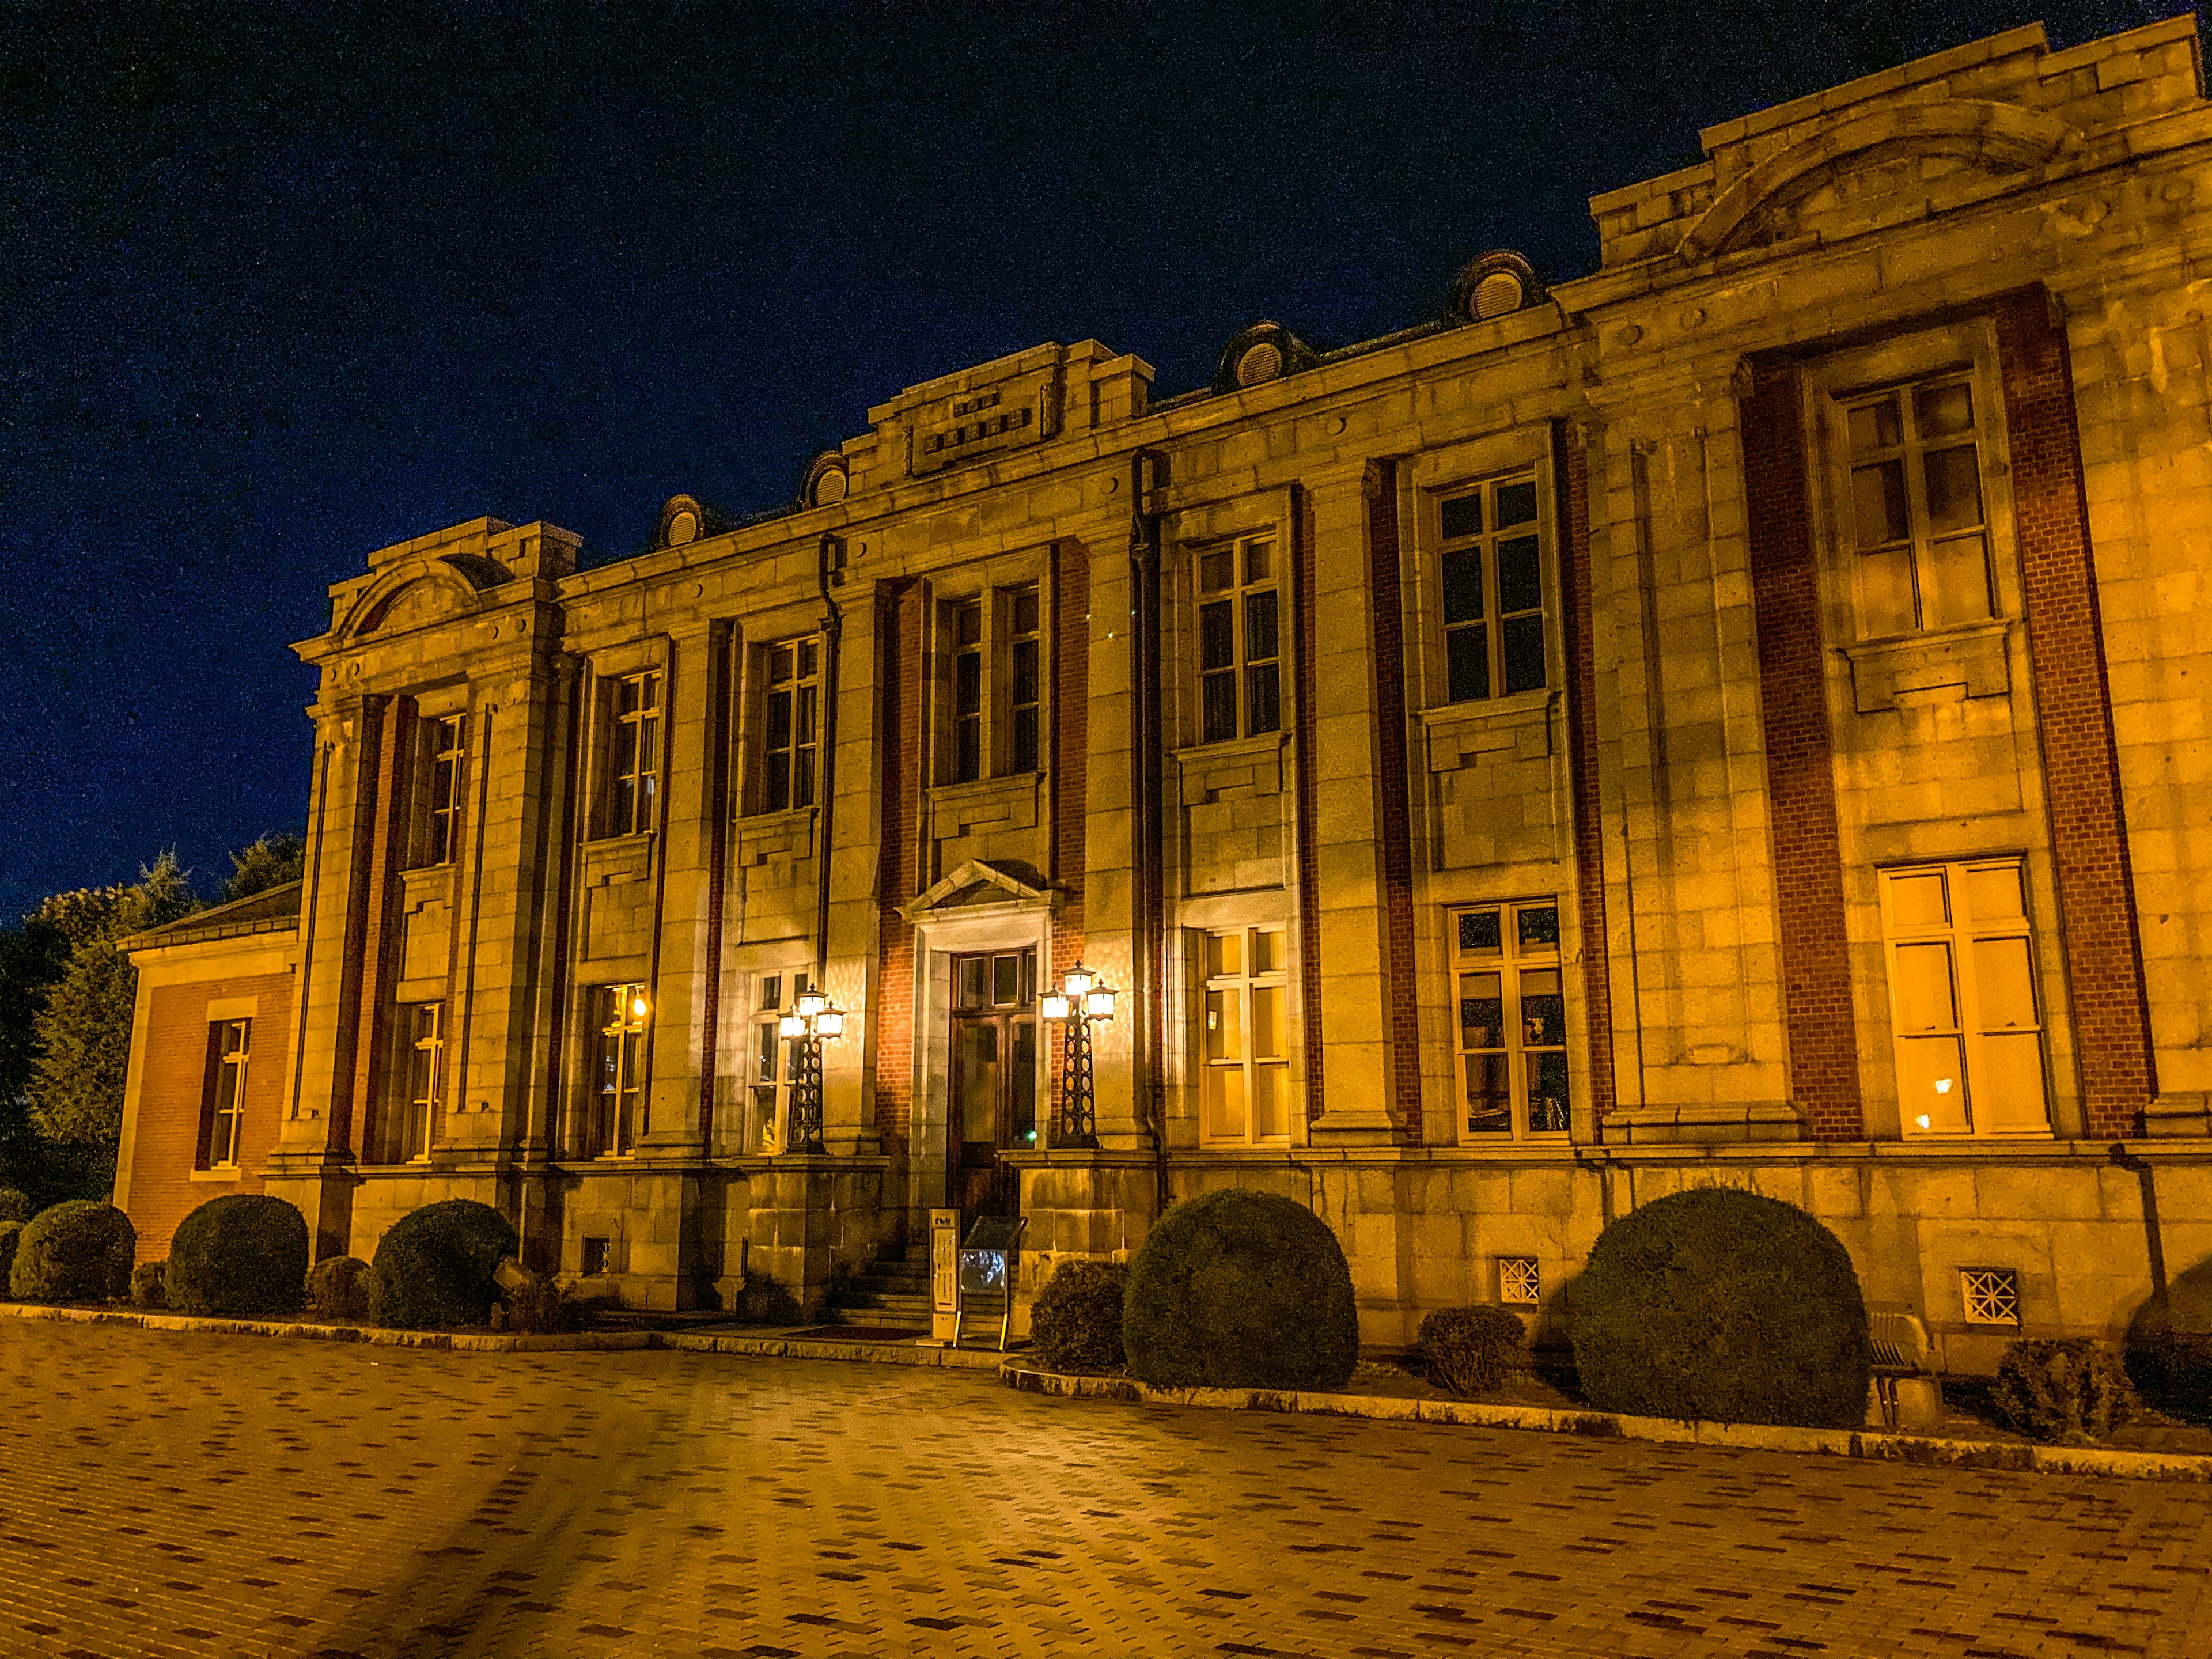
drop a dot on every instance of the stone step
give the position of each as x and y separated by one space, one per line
848 1298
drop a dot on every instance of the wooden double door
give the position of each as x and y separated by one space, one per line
994 1079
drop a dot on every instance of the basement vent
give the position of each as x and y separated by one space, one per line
1263 361
595 1256
1520 1281
1497 294
1991 1295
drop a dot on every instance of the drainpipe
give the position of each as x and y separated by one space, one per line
2153 1243
1147 993
833 621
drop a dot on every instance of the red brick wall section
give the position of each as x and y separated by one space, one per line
903 744
2081 760
1385 582
1800 780
1069 757
1571 463
1303 808
172 1082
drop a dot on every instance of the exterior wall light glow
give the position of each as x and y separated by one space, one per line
1082 997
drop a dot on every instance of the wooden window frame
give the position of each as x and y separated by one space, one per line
1515 959
423 1092
1474 658
1220 989
1254 682
1921 540
791 675
223 1109
633 733
615 1091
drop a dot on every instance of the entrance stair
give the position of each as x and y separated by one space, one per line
893 1293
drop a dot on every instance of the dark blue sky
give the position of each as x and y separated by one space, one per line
283 283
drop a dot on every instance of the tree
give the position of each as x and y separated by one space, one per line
269 862
83 1030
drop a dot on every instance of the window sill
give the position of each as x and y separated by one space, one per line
1461 733
984 788
1270 1146
227 1172
1232 749
1973 656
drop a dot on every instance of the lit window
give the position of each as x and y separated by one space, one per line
1239 643
791 710
223 1101
1520 1281
634 774
1968 1034
1991 1295
775 1061
425 1036
621 1078
1512 1028
1493 592
1917 509
444 740
1245 1090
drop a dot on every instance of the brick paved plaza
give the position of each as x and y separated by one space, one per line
191 1494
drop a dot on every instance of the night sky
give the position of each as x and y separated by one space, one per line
283 283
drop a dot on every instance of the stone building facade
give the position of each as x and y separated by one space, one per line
1724 718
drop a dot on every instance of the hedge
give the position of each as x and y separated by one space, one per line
11 1233
1471 1350
1076 1325
78 1251
435 1268
243 1256
147 1289
338 1289
15 1206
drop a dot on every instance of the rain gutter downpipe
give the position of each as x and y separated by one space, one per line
833 621
1145 964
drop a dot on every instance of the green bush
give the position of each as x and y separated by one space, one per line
11 1233
1241 1289
2169 1353
1716 1303
1470 1350
338 1289
1076 1325
435 1268
15 1206
80 1251
147 1289
2071 1390
243 1256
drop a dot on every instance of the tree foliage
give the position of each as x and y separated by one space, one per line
269 862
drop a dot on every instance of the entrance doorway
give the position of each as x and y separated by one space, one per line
994 1079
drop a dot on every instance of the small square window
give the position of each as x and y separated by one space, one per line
1991 1295
1520 1281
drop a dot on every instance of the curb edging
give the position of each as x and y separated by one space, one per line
1749 1437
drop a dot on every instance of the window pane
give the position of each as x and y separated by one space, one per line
1886 594
1463 586
1025 740
1217 570
765 1058
1025 671
967 623
1873 426
1548 1094
1005 980
1917 901
971 993
1878 493
1941 410
1993 893
802 714
1224 955
1022 1086
1263 699
968 683
1260 627
1217 635
1268 1010
807 659
1517 503
2009 1091
1481 1012
1266 951
1931 1083
1925 999
802 778
1954 489
1478 934
1489 1096
779 665
1217 702
1463 516
776 796
1520 585
649 691
1524 653
1225 1103
1959 576
779 720
1271 1102
1259 561
2003 984
1025 610
967 751
1538 928
1543 1009
1466 665
1224 1025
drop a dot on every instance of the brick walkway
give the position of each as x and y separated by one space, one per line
202 1495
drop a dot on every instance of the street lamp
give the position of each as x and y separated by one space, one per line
1082 997
812 1018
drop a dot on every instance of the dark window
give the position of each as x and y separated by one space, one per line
1493 572
1239 642
788 740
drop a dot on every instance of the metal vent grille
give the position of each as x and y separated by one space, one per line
1260 362
683 527
1497 294
1520 1281
830 487
1991 1295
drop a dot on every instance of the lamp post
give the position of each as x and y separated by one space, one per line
1083 997
812 1018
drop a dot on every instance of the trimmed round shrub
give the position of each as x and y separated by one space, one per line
1240 1290
79 1251
1719 1305
2071 1390
243 1256
146 1286
435 1268
10 1232
2169 1353
15 1206
338 1289
1471 1350
1076 1325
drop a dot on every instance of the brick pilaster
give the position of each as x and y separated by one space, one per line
1070 752
904 743
1386 580
1304 810
1572 466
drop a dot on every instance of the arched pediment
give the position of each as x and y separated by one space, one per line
420 592
1995 138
